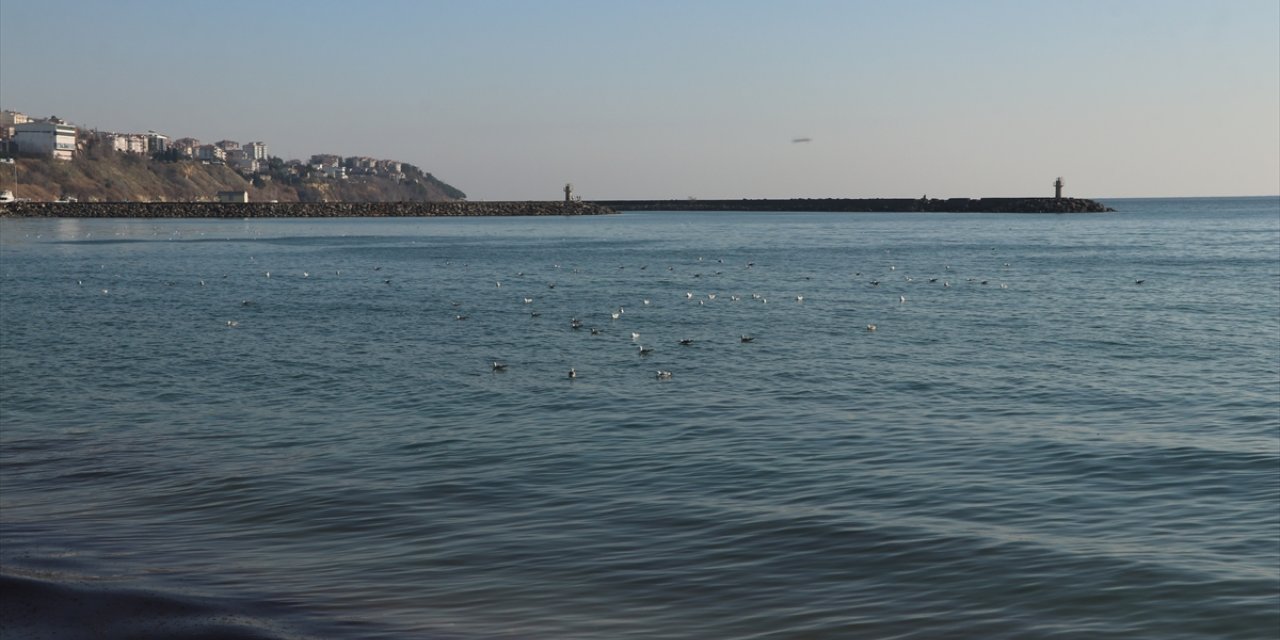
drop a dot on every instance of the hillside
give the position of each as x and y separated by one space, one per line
124 177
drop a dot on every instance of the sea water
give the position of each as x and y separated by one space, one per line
1060 426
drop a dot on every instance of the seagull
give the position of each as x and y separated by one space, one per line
646 302
499 285
528 300
499 366
747 338
614 315
643 350
711 296
1139 281
686 341
595 331
688 295
635 336
306 275
664 375
460 317
232 323
902 298
535 314
871 327
575 323
573 373
799 298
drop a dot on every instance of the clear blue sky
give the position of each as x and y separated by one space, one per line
511 99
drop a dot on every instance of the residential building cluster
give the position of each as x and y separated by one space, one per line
52 137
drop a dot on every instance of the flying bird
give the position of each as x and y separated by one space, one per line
801 140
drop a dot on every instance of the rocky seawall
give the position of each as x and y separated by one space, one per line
871 205
294 209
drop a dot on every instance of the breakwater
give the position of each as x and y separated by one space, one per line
294 209
871 205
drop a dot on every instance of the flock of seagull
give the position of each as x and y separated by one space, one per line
617 313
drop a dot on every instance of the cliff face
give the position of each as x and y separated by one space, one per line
131 178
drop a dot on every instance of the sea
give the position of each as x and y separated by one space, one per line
839 426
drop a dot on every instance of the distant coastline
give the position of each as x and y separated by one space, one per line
535 208
295 209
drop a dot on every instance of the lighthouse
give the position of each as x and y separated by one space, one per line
1057 188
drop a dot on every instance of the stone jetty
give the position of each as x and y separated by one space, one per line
294 209
871 205
536 208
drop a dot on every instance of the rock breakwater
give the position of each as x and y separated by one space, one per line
294 209
871 205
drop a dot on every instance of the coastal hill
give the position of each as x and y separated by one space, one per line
126 177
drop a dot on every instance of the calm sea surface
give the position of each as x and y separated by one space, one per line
1031 444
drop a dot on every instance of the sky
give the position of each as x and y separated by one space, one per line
511 99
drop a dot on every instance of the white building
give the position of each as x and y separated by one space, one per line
157 142
186 146
127 142
256 150
10 119
210 153
45 139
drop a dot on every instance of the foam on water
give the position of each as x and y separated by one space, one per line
1070 455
